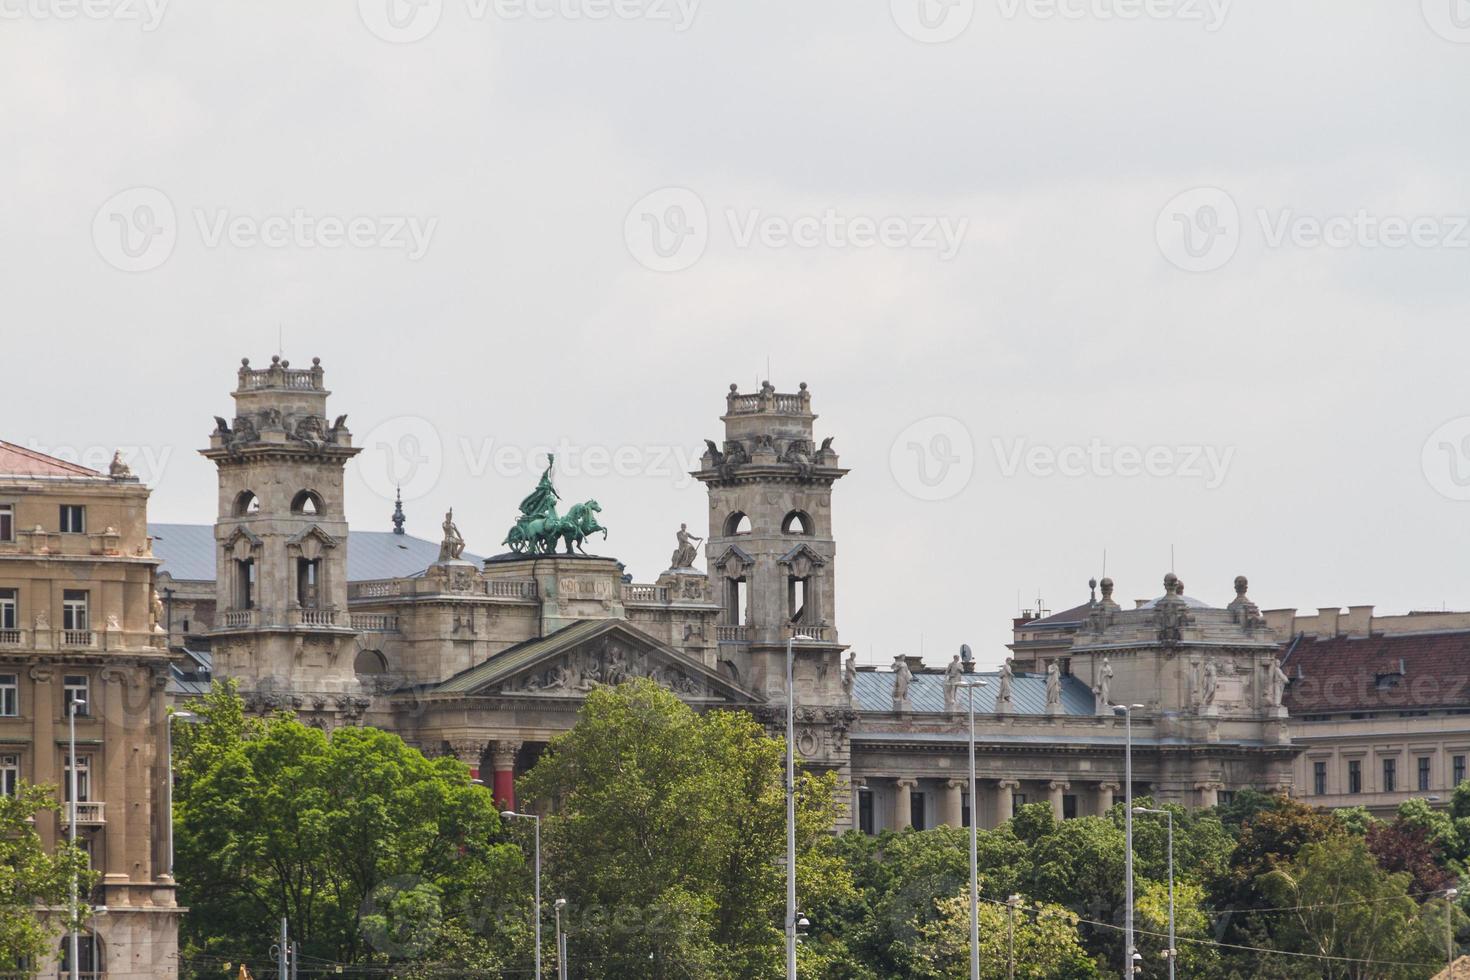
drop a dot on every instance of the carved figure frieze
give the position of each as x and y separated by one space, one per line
579 671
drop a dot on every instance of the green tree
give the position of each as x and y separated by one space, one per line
373 853
1338 903
1044 943
665 831
30 876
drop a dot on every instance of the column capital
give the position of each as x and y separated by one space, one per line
906 782
467 750
1056 784
858 782
504 754
960 783
1212 785
1009 783
1111 786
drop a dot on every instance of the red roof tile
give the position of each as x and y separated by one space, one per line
1410 672
19 461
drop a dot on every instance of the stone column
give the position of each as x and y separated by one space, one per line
954 803
503 757
469 751
1209 793
1105 792
903 807
1056 789
1005 800
858 782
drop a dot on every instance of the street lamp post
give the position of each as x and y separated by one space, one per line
1126 710
169 788
76 705
1450 894
974 845
1173 951
1012 902
561 940
536 819
791 642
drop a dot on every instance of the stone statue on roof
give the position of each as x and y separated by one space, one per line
901 678
1053 688
1003 692
452 547
953 675
541 502
849 675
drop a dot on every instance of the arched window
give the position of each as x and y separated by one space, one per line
307 502
797 522
737 523
370 662
246 503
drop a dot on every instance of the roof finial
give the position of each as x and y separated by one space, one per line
1092 587
398 517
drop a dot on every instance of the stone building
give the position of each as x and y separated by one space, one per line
488 659
79 623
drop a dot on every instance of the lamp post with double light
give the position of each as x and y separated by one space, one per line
535 819
76 705
974 843
1173 951
1130 967
791 642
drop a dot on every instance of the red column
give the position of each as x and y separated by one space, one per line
504 784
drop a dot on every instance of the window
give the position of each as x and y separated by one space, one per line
307 502
84 779
1069 807
1423 772
9 695
1018 800
245 584
964 809
9 601
865 811
737 523
1390 772
1459 769
73 519
246 504
74 609
1355 776
9 774
74 688
796 522
89 956
7 522
1319 779
916 811
1225 797
308 586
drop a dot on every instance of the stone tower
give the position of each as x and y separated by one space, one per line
772 558
282 626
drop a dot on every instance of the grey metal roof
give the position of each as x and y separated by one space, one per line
187 551
873 691
1192 603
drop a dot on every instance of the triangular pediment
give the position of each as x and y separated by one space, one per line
800 552
580 657
734 555
242 543
313 533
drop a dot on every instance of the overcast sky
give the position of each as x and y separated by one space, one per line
1065 277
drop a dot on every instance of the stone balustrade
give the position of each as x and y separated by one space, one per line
646 593
366 591
375 622
10 638
732 634
78 639
240 617
280 374
769 401
90 813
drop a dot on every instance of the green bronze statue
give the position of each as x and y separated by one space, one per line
538 530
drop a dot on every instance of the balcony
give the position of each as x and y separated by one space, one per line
77 639
240 617
89 814
732 634
10 638
313 617
374 623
